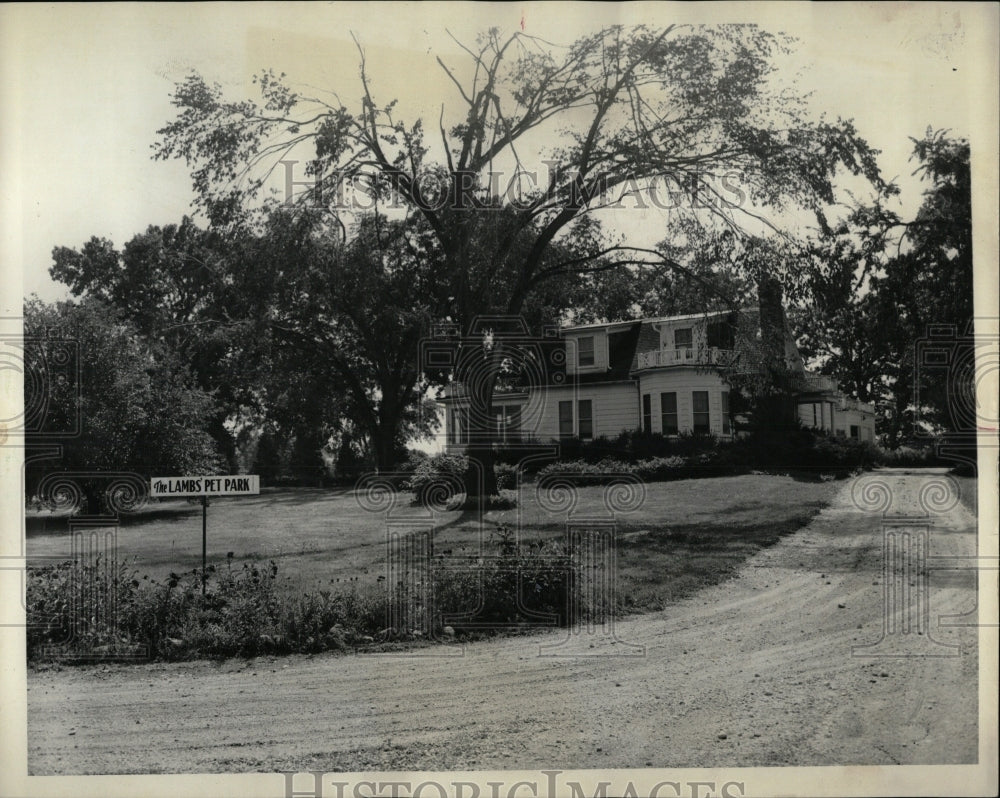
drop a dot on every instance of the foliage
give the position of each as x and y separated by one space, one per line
170 284
291 326
136 404
517 582
633 445
507 475
338 325
793 450
710 275
242 614
877 283
624 109
438 479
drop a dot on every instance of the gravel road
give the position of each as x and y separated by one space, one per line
760 670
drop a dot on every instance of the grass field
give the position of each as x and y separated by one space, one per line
686 534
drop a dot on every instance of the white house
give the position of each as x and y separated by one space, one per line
661 375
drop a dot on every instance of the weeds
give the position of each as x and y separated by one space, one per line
100 610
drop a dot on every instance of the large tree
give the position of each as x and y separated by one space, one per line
170 283
877 282
622 110
341 320
113 402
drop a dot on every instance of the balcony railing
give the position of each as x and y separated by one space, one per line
702 356
821 382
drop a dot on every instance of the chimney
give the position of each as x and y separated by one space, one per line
772 319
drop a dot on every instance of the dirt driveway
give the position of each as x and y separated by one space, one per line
760 670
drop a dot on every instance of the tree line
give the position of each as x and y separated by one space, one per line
296 323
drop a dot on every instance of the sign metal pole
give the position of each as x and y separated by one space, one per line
204 541
202 487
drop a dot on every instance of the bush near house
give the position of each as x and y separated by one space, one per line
627 446
796 450
655 458
439 478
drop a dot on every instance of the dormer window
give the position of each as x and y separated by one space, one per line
682 338
585 351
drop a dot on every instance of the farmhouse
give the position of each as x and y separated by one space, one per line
662 375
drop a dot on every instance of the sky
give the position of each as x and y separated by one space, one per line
85 87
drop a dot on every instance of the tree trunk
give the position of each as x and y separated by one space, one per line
383 438
93 494
779 409
480 478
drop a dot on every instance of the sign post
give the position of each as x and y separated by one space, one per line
204 542
203 487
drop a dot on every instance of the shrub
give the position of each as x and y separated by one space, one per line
530 455
242 613
800 449
78 605
506 475
438 478
633 446
580 472
517 583
912 457
792 450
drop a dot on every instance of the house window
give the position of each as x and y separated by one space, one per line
727 425
647 413
814 415
668 413
585 351
585 412
682 338
460 425
514 424
566 419
699 403
507 424
855 431
719 335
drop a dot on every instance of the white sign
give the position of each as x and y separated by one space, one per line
179 487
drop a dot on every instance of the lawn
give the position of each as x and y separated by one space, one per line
686 534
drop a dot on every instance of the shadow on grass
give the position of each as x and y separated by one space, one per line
661 565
